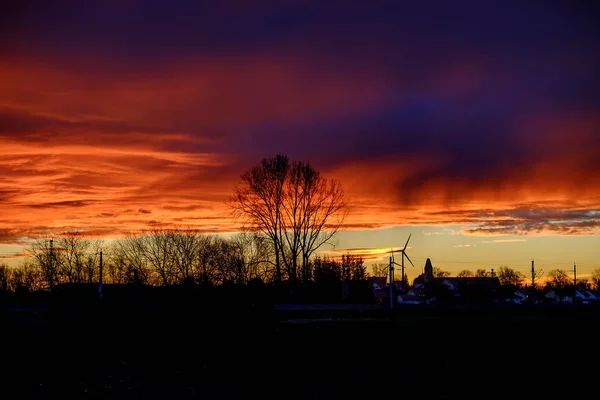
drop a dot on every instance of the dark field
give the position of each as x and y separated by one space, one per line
421 352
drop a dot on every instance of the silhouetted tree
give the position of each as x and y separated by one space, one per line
321 207
131 253
596 278
258 201
17 281
5 277
380 269
156 246
77 258
560 282
115 266
439 273
46 260
510 277
583 284
28 277
293 205
482 273
230 262
184 254
465 273
558 279
256 255
326 270
208 272
328 280
353 267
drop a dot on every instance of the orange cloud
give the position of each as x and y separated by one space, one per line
110 149
82 149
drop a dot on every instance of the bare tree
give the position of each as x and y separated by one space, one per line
115 265
225 262
439 273
28 277
509 276
558 279
91 265
322 210
292 205
380 269
68 257
131 253
560 282
596 278
185 251
465 273
256 255
258 201
71 248
353 267
78 258
46 260
327 270
583 284
157 249
482 273
208 260
5 276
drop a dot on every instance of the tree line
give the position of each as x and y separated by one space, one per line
162 257
166 257
556 279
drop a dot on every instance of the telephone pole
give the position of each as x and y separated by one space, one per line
574 285
391 283
532 275
51 265
100 280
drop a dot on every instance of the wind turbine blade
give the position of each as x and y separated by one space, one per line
411 263
407 242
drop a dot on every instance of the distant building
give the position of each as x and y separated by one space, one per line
414 296
463 289
380 287
377 282
426 276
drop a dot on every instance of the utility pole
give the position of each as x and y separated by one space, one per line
100 280
391 283
575 285
51 269
532 275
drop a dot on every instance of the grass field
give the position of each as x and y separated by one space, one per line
315 353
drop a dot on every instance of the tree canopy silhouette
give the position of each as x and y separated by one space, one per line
294 206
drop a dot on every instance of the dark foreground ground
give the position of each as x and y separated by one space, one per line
418 352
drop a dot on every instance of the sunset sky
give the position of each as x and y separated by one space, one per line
472 125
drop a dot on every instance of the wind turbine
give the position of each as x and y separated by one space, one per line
403 251
392 263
